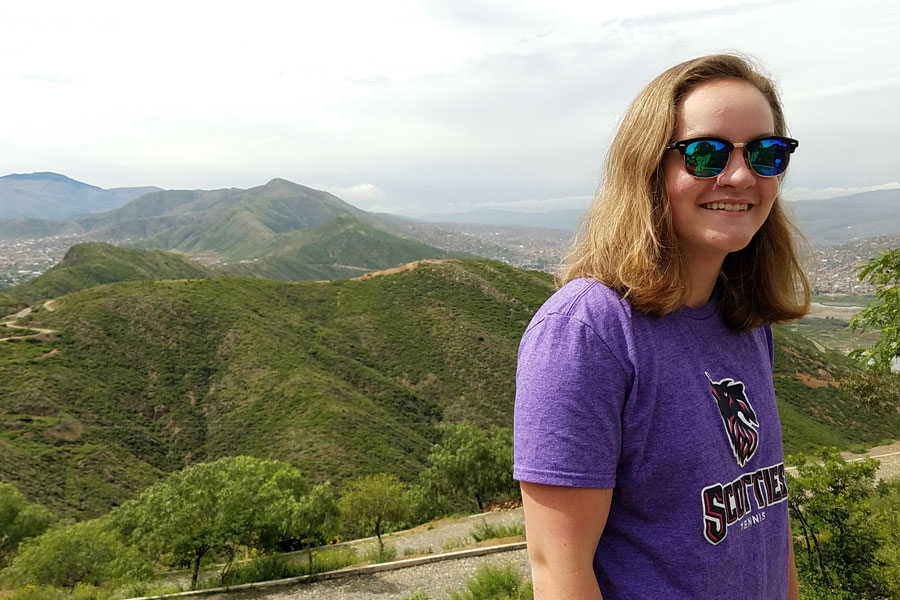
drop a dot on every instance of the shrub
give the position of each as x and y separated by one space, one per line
381 554
487 531
453 543
87 552
496 583
266 567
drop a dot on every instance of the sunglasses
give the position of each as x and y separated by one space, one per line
706 157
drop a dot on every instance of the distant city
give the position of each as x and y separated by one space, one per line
530 248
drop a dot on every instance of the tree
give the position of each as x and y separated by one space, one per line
472 462
373 501
88 552
829 503
314 518
883 315
19 520
214 507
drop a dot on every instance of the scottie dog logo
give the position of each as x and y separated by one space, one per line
741 425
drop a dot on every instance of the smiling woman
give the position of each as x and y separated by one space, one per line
647 438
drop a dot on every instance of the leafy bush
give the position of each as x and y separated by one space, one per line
266 567
488 531
19 520
333 559
496 583
88 552
380 554
830 507
472 463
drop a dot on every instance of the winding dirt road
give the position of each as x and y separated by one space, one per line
9 323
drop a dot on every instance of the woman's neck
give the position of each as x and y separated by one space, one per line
701 281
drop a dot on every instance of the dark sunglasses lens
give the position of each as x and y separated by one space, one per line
769 157
705 158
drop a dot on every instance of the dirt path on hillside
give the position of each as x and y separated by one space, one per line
9 323
406 267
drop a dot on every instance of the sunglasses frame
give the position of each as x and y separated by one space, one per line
682 145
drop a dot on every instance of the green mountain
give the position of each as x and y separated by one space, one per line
95 263
340 378
341 248
8 304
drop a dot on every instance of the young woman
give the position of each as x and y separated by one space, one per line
647 439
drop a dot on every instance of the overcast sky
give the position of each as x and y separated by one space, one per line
423 106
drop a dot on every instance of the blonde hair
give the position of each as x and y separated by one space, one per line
627 241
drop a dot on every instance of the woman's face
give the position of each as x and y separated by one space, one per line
715 216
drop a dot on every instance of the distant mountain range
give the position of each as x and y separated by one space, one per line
824 222
55 196
554 219
280 230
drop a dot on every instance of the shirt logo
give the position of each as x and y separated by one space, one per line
738 417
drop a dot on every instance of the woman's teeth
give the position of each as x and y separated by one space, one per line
724 206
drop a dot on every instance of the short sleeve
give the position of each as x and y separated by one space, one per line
570 394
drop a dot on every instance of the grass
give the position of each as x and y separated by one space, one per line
488 531
450 544
489 583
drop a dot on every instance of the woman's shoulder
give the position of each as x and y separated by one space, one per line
587 304
585 300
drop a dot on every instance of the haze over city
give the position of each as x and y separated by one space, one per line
420 107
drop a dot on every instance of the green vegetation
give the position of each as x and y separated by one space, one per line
19 520
817 400
9 305
10 332
490 583
89 552
340 379
472 464
95 263
495 583
372 502
489 531
342 248
216 508
845 538
883 315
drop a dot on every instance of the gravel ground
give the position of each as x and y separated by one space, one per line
435 580
441 536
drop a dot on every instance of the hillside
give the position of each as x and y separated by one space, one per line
55 196
340 378
95 263
339 249
8 304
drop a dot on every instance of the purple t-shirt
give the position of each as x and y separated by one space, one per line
678 415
